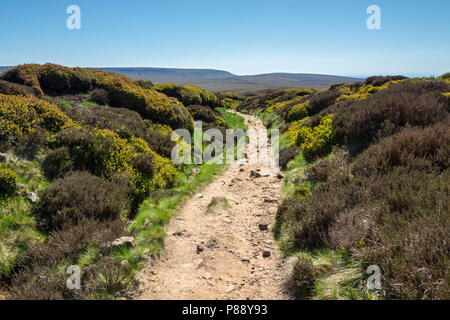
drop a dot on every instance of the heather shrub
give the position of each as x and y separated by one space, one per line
14 89
124 122
384 219
79 196
286 155
322 100
203 113
378 81
160 142
66 245
431 144
57 163
108 279
41 277
99 96
325 168
385 113
40 284
8 181
302 276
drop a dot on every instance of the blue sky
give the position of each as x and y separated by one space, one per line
243 37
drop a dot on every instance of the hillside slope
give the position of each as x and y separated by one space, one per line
366 182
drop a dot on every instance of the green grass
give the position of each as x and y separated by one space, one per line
234 121
18 229
87 104
64 103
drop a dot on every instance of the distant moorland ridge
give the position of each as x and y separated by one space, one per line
219 80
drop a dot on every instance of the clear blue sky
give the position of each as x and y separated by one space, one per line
240 36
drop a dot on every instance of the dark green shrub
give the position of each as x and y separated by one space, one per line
144 84
303 276
160 143
288 154
79 196
110 278
99 96
378 81
14 89
8 181
57 163
325 168
322 100
41 269
385 113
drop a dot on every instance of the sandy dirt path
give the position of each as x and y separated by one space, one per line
214 247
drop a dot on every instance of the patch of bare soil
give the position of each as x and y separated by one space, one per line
220 244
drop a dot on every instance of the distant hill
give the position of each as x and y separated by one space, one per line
219 80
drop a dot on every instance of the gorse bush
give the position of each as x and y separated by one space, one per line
188 94
21 116
79 196
122 92
8 181
144 84
318 142
105 154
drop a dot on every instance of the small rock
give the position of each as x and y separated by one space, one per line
4 157
254 174
129 241
199 195
124 263
270 200
263 226
212 243
226 220
241 170
245 259
258 170
181 233
31 196
280 176
197 263
230 289
200 249
266 253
